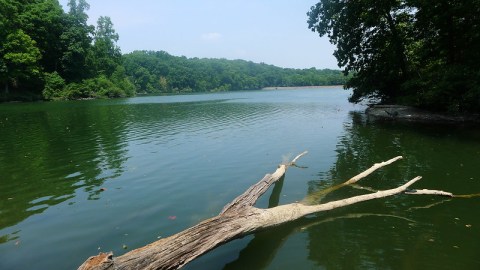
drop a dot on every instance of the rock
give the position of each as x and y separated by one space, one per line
407 113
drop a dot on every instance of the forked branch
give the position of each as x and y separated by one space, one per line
237 219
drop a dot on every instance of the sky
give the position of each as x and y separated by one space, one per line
270 31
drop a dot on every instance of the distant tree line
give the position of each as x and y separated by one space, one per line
154 72
47 53
416 52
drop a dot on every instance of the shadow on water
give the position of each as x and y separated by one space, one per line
269 241
403 232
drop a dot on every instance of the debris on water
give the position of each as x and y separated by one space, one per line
172 217
124 246
468 225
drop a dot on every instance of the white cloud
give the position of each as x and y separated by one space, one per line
214 36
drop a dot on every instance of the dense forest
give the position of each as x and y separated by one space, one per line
415 52
160 72
48 53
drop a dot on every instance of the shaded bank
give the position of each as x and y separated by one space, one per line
412 114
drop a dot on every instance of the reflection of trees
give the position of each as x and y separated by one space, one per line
379 234
388 237
46 154
48 151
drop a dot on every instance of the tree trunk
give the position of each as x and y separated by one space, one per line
237 219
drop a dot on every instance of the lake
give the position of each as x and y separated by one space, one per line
80 177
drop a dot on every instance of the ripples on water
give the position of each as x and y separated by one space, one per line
83 177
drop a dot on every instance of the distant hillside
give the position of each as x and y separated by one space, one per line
160 72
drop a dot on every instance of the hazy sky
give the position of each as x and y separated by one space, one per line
270 31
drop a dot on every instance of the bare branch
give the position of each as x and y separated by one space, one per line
429 192
367 172
315 197
250 196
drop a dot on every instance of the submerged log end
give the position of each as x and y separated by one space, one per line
102 261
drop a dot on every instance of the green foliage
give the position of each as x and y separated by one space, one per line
76 42
54 86
154 72
19 60
98 87
414 52
105 54
43 22
48 52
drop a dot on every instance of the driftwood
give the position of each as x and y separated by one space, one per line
237 219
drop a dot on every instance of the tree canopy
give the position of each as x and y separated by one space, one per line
413 52
52 54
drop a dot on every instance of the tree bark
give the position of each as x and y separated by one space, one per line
237 219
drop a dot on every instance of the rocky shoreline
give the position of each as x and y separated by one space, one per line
411 114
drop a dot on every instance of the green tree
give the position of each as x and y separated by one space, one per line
415 52
20 59
43 22
446 56
54 86
106 54
370 38
76 42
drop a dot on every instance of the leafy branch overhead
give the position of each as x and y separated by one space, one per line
421 53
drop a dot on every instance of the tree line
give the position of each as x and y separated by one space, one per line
158 71
47 53
415 52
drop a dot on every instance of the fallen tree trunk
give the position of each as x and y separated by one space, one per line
237 219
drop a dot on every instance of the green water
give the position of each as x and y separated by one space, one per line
88 176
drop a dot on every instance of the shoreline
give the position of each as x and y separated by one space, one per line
412 114
300 87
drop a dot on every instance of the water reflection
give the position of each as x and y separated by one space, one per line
401 232
268 242
405 231
66 152
51 153
48 152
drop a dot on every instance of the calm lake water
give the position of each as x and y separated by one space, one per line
112 175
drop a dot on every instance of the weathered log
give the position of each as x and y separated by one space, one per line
237 219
